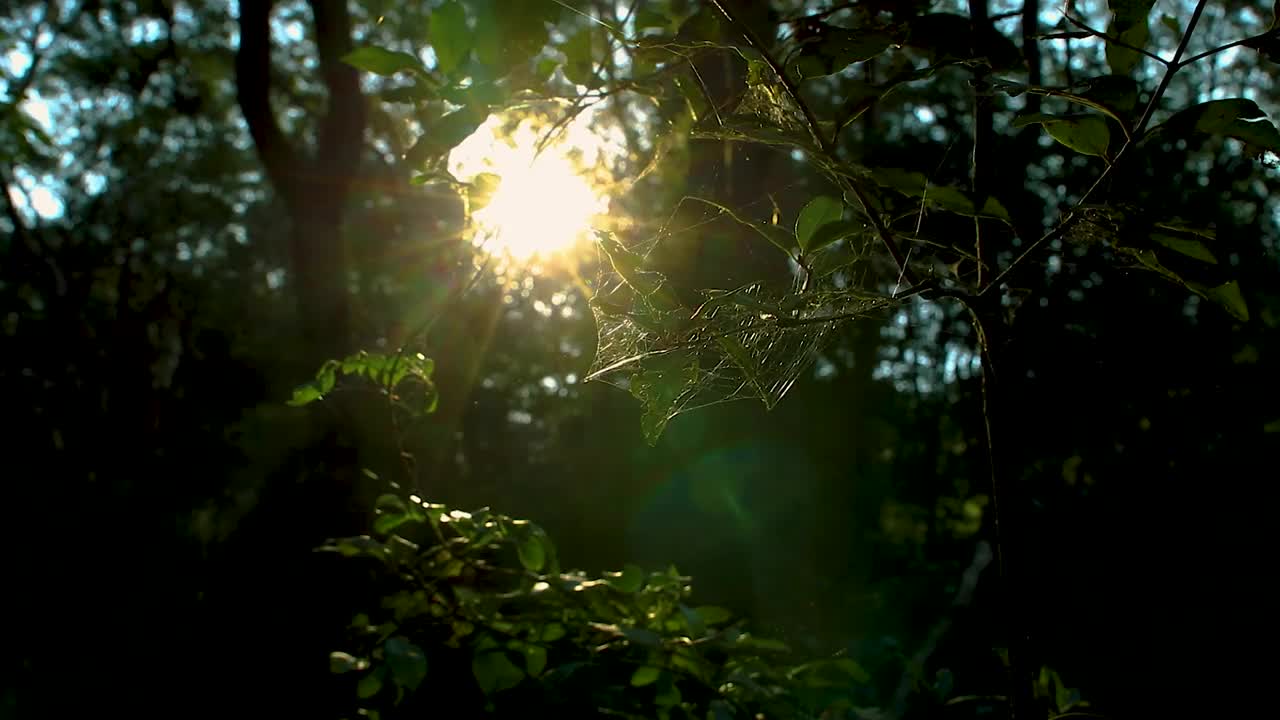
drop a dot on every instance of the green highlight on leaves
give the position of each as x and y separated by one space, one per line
833 49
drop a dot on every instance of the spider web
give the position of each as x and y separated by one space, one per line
743 343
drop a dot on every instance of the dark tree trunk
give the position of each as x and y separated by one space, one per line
313 186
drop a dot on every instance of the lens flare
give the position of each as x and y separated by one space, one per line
546 202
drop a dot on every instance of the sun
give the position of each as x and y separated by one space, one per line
545 202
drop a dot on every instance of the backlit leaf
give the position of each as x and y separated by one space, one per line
533 555
449 36
819 211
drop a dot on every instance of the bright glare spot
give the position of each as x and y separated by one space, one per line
38 109
45 203
545 203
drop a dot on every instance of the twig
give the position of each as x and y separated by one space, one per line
1270 34
1174 66
1074 214
1114 40
826 145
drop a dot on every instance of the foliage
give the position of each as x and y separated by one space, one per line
675 346
486 592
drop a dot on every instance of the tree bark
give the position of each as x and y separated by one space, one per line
313 186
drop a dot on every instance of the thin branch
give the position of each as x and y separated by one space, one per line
827 145
1255 40
1115 41
1174 66
1073 215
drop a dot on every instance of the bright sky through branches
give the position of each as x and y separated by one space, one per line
546 202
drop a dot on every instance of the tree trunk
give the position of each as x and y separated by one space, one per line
314 187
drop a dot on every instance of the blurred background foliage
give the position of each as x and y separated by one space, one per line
204 203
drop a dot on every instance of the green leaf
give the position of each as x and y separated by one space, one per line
579 64
389 502
369 685
832 232
819 211
533 555
508 34
1187 246
738 353
450 130
384 524
659 387
407 662
494 672
693 621
645 675
1129 24
381 61
833 49
630 580
535 659
449 36
1236 118
1085 133
642 637
553 632
760 643
667 695
1172 23
305 394
319 386
1229 297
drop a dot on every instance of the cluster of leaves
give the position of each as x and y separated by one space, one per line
485 592
1105 117
401 372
